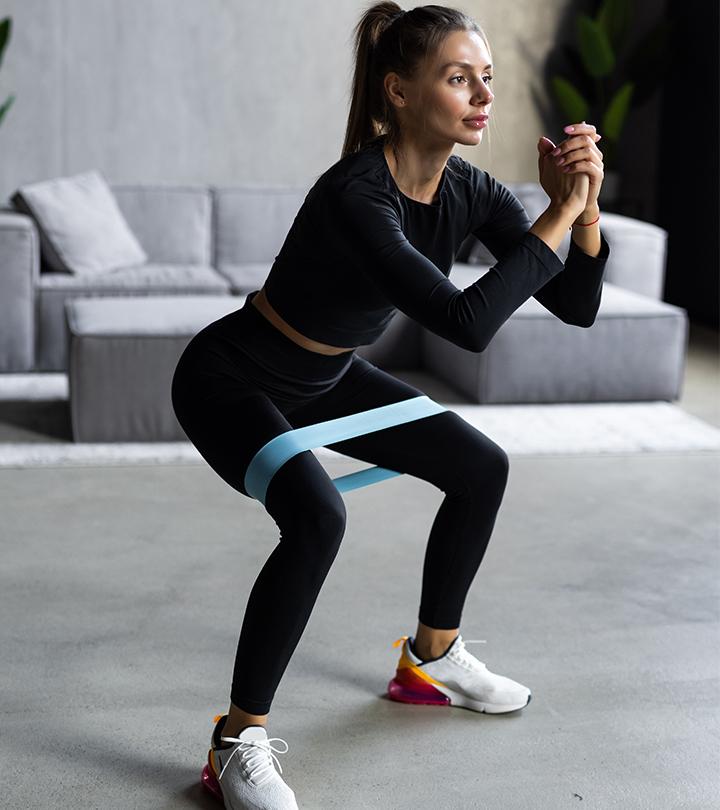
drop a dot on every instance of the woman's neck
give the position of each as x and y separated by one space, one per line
419 173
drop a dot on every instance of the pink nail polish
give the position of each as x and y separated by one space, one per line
569 129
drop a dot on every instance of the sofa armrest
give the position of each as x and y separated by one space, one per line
638 254
19 276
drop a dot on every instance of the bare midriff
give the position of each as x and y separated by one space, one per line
261 303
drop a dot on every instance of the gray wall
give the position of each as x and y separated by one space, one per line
225 92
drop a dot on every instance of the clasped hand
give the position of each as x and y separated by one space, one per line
572 171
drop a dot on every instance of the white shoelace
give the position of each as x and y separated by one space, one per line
463 657
257 755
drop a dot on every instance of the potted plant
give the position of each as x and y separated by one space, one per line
5 31
606 78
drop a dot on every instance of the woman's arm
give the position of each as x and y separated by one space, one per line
416 286
585 235
573 295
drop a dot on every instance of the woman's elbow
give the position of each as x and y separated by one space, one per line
476 343
582 319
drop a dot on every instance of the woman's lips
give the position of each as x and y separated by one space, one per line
478 123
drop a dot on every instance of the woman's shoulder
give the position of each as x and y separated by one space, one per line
469 171
360 171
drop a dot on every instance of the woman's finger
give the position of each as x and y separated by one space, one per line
581 127
577 154
582 166
574 143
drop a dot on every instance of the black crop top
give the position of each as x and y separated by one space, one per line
359 250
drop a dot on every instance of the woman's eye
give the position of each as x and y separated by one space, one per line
489 78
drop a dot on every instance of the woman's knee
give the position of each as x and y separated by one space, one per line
315 520
484 467
317 534
328 522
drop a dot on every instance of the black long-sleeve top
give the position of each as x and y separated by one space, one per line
359 250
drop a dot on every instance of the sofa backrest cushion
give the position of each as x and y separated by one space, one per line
252 222
172 223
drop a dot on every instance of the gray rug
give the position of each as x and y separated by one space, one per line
554 429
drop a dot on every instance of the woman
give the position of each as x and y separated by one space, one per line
378 232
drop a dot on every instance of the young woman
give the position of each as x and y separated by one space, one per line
378 232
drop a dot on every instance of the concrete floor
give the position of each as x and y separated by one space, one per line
599 591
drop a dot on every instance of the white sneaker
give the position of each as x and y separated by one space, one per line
243 775
456 678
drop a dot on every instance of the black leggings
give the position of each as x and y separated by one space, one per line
239 383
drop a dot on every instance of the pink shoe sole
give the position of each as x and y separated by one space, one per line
211 784
408 688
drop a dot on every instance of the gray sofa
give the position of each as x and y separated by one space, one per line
222 242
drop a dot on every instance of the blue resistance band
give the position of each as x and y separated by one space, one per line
272 455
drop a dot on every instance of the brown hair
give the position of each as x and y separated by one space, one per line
386 39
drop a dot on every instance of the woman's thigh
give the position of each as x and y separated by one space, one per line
228 419
442 449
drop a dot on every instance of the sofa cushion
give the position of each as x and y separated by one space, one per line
173 223
81 227
152 279
155 277
252 223
122 359
245 277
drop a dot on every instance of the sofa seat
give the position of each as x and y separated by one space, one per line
634 351
53 289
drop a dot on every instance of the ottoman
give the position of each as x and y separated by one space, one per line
122 355
635 351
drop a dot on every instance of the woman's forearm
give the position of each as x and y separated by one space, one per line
587 237
553 224
574 295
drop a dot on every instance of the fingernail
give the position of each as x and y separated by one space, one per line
569 129
599 136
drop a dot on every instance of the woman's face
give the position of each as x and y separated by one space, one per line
443 98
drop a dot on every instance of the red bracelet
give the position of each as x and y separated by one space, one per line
587 224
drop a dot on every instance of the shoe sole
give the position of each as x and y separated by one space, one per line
209 781
406 687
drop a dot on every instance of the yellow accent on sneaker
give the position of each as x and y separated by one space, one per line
406 662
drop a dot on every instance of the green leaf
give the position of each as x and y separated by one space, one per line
5 107
595 49
615 19
5 31
615 115
571 101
